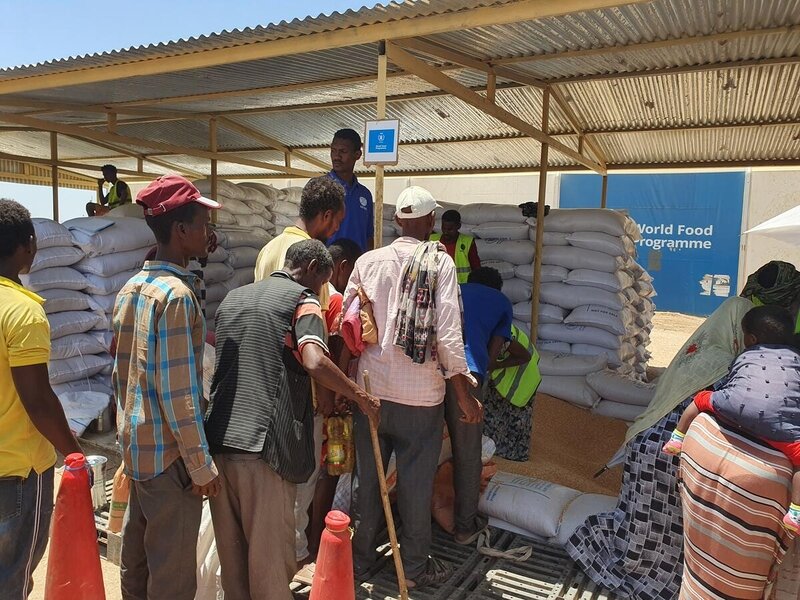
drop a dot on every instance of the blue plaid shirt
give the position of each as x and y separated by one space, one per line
158 373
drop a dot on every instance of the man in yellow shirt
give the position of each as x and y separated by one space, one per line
322 210
32 421
321 213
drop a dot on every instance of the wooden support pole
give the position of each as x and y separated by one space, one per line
54 171
140 164
491 86
380 114
287 159
212 146
111 123
537 259
604 193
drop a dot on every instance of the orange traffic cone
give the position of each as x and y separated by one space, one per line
333 575
73 567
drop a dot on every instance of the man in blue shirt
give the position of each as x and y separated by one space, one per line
359 219
487 327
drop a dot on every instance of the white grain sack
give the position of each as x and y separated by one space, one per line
618 322
478 213
69 322
571 257
579 334
604 220
506 269
102 286
624 390
111 264
517 290
569 296
548 273
624 412
496 230
50 234
102 235
57 256
562 364
618 281
573 389
56 278
602 242
59 300
517 252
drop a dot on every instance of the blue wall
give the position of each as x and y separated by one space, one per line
690 225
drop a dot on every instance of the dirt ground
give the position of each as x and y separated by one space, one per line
670 332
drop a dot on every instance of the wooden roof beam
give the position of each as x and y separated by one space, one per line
102 136
485 16
430 74
441 51
67 164
269 141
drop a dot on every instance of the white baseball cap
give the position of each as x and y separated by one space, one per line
418 199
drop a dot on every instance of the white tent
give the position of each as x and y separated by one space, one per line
784 227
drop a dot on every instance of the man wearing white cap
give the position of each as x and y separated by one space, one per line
414 292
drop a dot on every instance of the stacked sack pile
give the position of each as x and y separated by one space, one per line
242 206
115 249
79 358
595 312
286 208
231 265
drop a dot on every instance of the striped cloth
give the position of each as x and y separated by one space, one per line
735 491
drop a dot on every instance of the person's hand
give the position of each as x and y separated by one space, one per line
471 408
211 489
212 241
370 405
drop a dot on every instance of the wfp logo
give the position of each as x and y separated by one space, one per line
363 202
381 139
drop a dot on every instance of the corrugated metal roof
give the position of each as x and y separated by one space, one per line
307 113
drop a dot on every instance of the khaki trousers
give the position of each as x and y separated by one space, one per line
253 519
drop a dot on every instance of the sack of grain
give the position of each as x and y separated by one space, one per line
548 313
602 242
98 236
568 296
548 274
550 238
75 344
59 300
78 367
506 269
603 220
50 234
55 278
111 264
56 256
517 252
217 273
624 390
517 290
478 213
617 281
532 504
102 286
618 322
576 513
615 357
551 346
224 188
497 230
243 256
564 364
572 389
229 238
571 257
579 334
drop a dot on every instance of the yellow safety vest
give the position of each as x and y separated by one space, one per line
113 199
461 258
519 384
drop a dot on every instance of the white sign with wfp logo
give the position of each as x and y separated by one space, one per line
381 141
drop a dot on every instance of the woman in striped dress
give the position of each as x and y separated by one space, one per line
735 490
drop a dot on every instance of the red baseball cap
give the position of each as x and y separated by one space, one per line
170 192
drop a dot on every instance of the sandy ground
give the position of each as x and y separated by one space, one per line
670 332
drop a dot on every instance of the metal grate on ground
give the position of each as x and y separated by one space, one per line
549 574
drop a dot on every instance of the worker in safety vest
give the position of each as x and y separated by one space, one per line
119 193
460 247
518 383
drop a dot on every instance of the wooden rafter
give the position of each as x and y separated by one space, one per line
102 136
269 141
66 164
444 52
420 68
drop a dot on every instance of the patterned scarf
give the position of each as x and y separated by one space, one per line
415 326
776 283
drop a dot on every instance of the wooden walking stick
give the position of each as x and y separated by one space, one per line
387 508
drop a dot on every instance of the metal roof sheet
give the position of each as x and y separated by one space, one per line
615 85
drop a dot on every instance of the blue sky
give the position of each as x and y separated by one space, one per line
53 29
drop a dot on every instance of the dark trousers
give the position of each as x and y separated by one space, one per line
26 505
465 439
415 435
159 541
